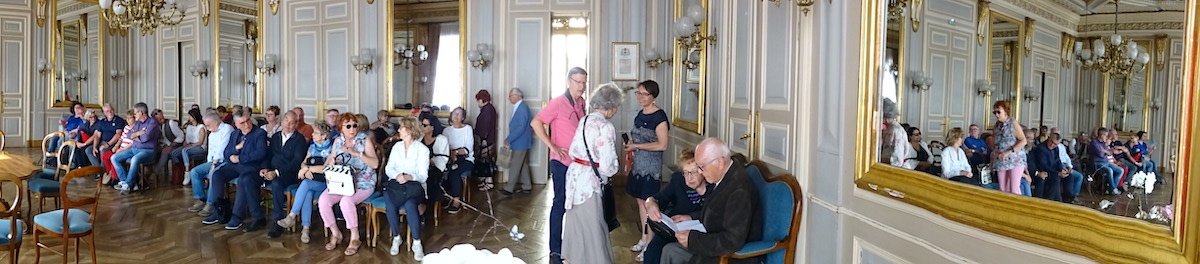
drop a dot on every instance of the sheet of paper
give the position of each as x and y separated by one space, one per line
685 225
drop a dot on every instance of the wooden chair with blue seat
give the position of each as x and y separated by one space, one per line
782 206
10 220
70 222
46 184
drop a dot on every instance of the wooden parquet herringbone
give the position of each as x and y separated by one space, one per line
154 226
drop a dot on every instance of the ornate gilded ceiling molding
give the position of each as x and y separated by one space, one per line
983 20
1132 26
1068 5
79 6
1066 50
1028 36
238 9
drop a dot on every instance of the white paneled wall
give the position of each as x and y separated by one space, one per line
15 50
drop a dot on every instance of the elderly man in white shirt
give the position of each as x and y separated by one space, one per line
218 137
1074 180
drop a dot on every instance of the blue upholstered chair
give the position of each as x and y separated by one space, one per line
70 221
782 205
11 227
46 184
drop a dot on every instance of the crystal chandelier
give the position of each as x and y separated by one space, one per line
1117 56
147 14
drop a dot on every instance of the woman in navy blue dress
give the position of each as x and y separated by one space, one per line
649 136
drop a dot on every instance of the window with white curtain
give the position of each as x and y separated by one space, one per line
447 86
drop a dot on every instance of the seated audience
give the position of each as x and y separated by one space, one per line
731 194
918 158
1141 153
1047 170
383 128
124 144
407 171
107 134
461 138
955 165
313 183
439 156
683 196
1073 181
244 161
273 126
1102 157
145 135
172 138
193 145
282 168
977 149
219 134
1122 155
364 162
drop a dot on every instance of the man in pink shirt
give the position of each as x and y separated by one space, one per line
562 114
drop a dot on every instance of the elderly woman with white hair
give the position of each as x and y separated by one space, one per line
585 231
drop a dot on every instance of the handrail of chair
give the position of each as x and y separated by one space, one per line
797 213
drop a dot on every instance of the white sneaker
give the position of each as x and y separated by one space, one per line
418 252
395 246
187 179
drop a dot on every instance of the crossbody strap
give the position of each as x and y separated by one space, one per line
587 149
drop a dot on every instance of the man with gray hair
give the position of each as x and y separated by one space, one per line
218 138
730 193
243 162
108 131
562 114
280 170
145 133
520 140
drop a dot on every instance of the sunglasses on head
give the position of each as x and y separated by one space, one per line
352 126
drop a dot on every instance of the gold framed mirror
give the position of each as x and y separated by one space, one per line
1069 228
690 73
77 45
236 81
1127 97
427 62
1004 60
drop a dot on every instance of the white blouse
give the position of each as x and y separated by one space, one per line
413 161
954 161
272 130
902 149
193 133
461 138
582 182
440 146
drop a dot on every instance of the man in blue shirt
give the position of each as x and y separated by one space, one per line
145 135
107 130
976 149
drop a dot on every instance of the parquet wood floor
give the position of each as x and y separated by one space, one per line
154 226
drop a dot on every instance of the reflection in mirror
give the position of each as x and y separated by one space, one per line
1062 156
693 39
427 54
237 82
77 60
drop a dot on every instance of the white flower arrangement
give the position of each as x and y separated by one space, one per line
466 253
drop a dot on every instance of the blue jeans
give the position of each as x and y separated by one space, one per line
249 195
1025 187
185 155
1113 171
412 214
218 179
456 178
1071 185
201 172
1149 166
135 157
558 174
303 199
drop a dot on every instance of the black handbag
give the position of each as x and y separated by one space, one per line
402 192
316 161
606 193
484 168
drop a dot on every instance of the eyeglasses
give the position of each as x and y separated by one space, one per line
642 93
349 126
426 125
997 112
583 82
691 172
701 166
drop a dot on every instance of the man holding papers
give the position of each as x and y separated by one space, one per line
730 214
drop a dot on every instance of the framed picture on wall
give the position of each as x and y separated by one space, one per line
625 64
